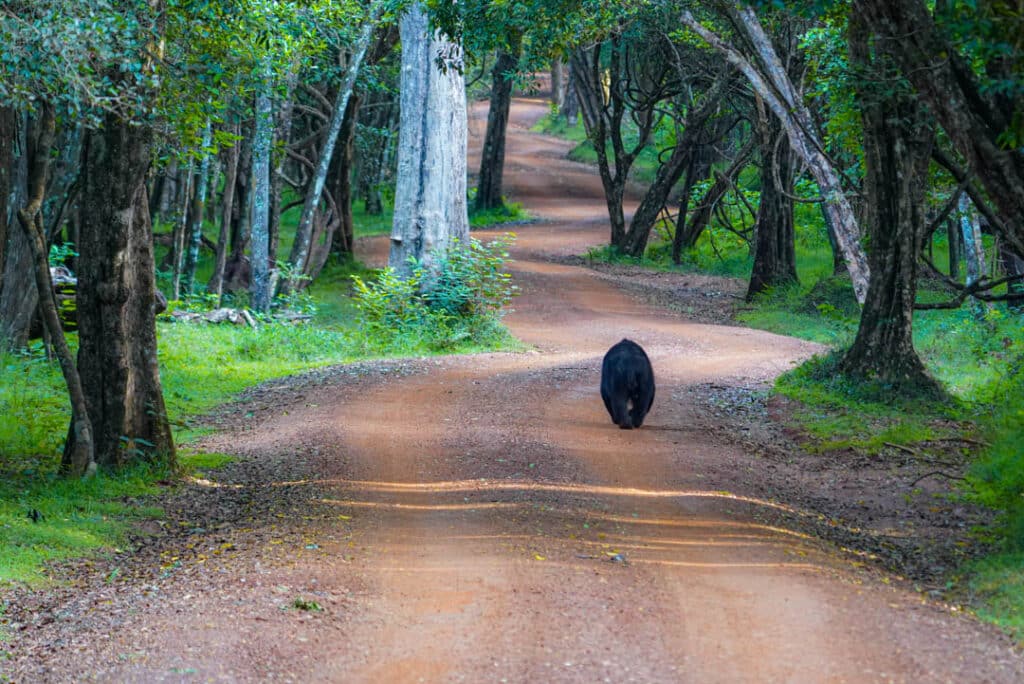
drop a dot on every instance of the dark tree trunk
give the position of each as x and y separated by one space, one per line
697 169
898 139
18 297
237 271
571 105
774 237
604 115
177 253
168 191
956 247
492 156
8 133
117 355
974 120
339 180
216 284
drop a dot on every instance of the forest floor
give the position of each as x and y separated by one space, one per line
479 518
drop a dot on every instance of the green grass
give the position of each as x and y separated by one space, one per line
996 584
202 462
78 517
509 212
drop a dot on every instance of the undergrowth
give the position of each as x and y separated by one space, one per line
457 303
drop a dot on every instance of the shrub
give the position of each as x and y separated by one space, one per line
460 300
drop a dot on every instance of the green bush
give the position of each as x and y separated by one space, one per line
460 300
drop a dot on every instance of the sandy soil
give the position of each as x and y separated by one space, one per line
479 519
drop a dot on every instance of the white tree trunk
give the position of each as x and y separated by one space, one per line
430 196
974 249
262 137
775 87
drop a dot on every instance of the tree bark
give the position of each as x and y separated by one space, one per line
197 213
237 271
492 156
311 203
774 235
430 193
261 289
571 105
117 355
557 83
8 143
340 181
18 298
898 140
955 246
216 284
688 138
178 241
777 90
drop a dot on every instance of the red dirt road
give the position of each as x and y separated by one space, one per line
464 519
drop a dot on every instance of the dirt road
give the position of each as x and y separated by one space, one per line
479 519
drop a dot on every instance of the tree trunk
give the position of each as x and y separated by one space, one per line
430 193
237 271
177 254
697 169
80 460
8 143
688 139
492 156
260 288
557 83
955 242
197 213
974 119
774 236
974 250
340 180
777 90
18 298
311 203
216 284
117 355
168 191
571 106
898 139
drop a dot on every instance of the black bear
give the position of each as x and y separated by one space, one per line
627 384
